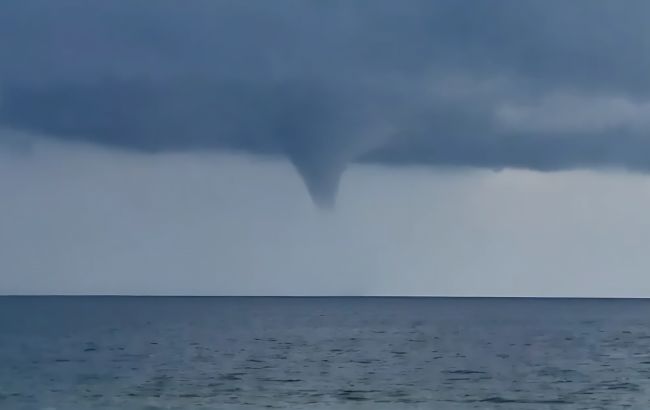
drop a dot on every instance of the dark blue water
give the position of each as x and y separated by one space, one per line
324 353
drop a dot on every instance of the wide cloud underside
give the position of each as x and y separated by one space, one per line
529 84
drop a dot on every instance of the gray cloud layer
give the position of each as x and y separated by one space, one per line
533 84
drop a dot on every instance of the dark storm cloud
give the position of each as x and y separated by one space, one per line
534 84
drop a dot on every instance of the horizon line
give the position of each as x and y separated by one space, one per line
242 296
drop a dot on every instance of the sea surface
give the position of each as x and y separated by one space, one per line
83 353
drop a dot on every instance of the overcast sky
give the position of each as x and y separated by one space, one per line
343 147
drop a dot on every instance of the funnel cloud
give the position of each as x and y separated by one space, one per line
511 84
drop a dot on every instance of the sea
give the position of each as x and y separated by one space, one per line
85 353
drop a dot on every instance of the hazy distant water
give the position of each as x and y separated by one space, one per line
323 353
